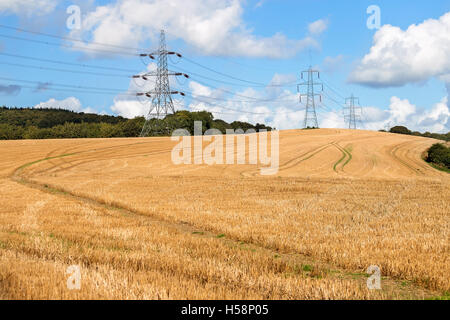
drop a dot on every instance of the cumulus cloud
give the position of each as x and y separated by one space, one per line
398 57
403 112
27 7
130 108
71 103
332 119
209 26
10 89
318 27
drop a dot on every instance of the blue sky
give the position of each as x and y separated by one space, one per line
403 78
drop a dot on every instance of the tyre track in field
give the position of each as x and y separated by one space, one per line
344 156
95 157
393 154
293 162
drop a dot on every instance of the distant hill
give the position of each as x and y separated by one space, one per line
27 123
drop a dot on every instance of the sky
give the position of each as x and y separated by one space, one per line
244 58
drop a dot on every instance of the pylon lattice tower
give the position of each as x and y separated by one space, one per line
353 117
161 96
310 112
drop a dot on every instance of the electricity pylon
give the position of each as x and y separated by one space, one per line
162 103
310 112
352 117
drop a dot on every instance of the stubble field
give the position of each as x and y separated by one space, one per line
141 227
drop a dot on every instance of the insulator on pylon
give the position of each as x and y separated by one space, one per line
148 95
182 93
136 76
143 55
151 57
186 76
139 94
144 77
175 53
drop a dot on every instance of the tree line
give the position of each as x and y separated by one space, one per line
406 131
27 123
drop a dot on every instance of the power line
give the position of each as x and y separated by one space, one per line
81 91
63 85
332 88
65 62
233 100
68 46
242 111
68 38
237 94
65 70
224 81
229 76
107 51
116 52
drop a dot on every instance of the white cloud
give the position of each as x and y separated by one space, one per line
318 27
399 57
436 119
331 119
27 7
130 108
211 27
400 110
71 103
403 112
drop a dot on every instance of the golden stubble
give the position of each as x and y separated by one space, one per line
143 228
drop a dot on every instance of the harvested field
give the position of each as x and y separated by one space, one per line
141 227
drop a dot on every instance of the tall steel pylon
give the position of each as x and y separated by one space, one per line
310 112
352 117
162 103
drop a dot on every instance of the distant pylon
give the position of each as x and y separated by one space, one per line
162 103
310 112
353 116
